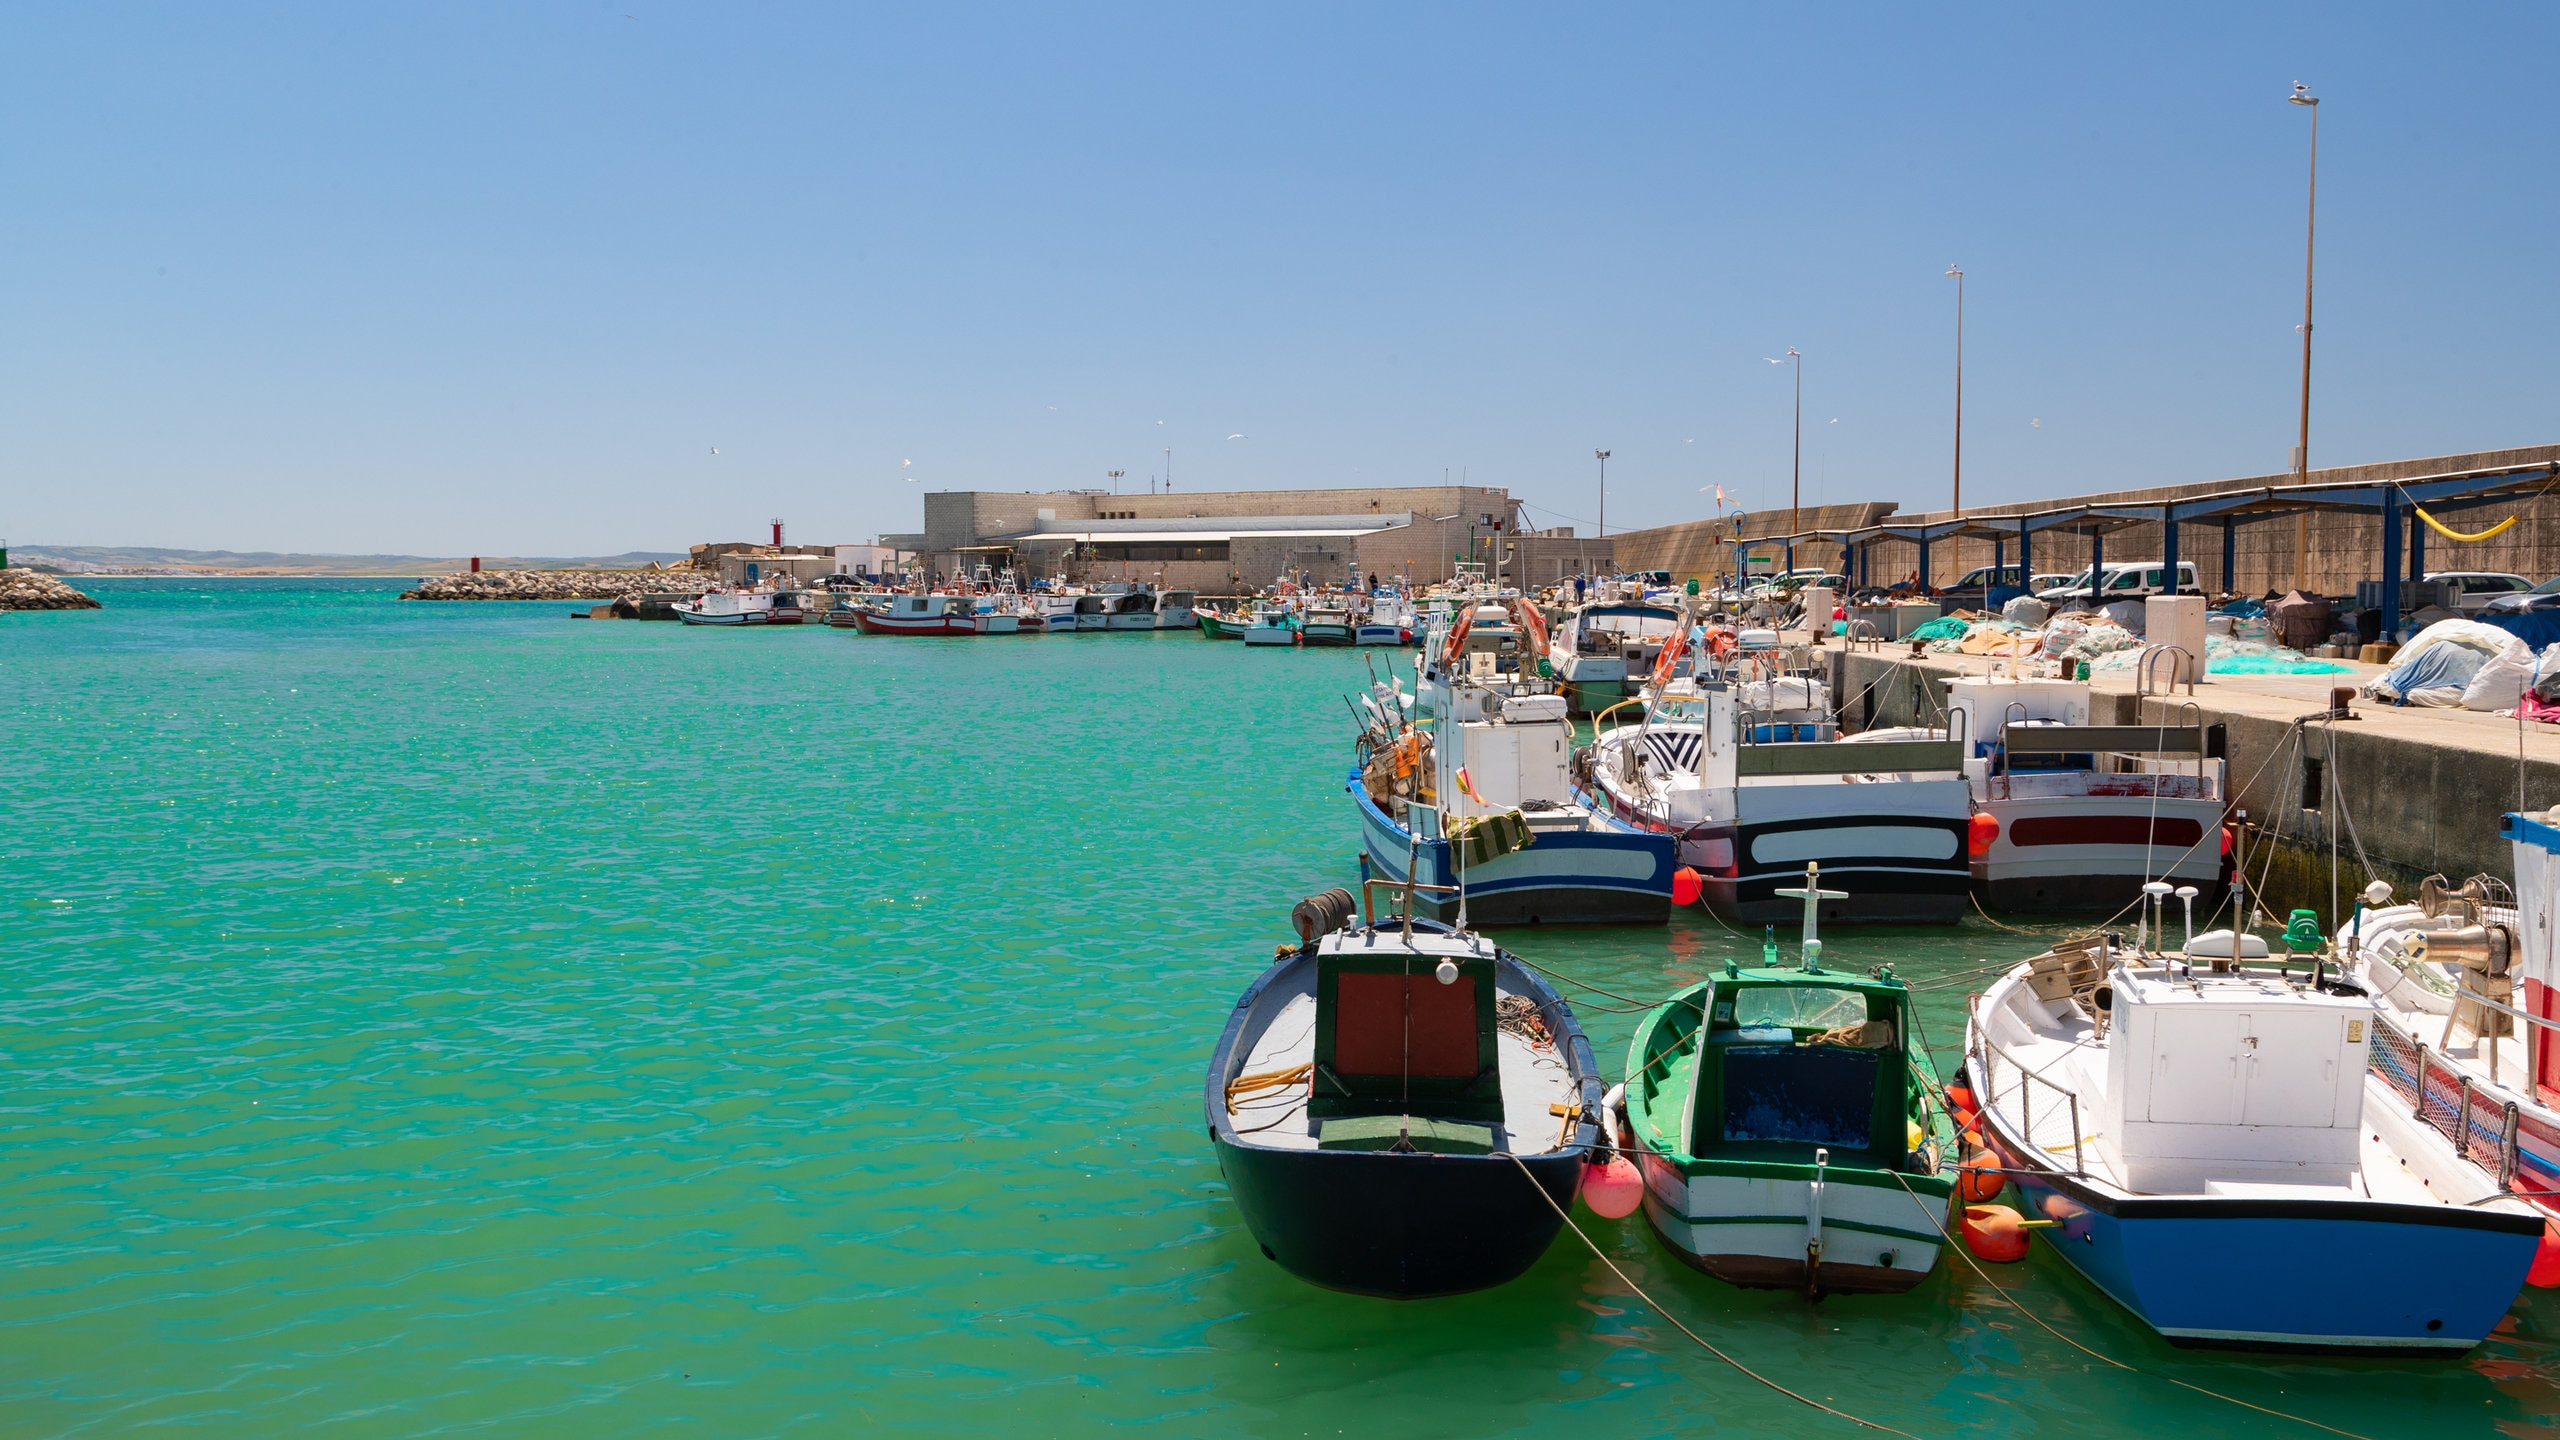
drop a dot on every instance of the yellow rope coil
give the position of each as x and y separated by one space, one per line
1246 1087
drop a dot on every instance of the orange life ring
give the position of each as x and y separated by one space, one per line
1458 637
1723 644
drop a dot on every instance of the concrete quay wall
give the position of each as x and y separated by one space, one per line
2424 789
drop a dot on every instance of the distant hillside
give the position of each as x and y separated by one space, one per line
149 560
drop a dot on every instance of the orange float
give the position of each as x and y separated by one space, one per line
1995 1233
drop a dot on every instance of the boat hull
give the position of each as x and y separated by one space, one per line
1270 635
744 617
1327 634
1593 877
2087 852
1403 1226
872 624
1384 635
1217 628
1750 1227
2206 1271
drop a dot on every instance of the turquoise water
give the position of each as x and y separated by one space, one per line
455 1019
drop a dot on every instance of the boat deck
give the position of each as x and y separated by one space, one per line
2066 1052
1532 1080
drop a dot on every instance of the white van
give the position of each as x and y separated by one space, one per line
2128 581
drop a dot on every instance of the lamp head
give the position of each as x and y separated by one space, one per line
1954 274
2302 95
1794 353
1599 454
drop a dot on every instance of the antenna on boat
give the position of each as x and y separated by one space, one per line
1813 895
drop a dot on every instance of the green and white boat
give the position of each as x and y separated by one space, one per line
1789 1129
1221 627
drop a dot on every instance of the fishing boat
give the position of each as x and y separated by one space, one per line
1271 625
784 607
1092 614
1599 646
1400 1107
1173 609
2203 1131
991 616
2470 1007
2074 816
1328 622
1472 797
920 615
1219 625
1389 620
1127 608
1743 764
1790 1130
725 607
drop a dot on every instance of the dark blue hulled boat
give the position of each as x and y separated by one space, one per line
1370 1092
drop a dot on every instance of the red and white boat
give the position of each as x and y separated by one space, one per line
783 607
921 615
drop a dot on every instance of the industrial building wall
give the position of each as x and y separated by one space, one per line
1704 548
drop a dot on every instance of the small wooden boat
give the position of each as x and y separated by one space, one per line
2217 1156
1789 1131
1372 1091
1219 626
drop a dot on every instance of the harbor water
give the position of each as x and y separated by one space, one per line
453 1019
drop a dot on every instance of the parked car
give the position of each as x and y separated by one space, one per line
1975 590
2479 587
2545 596
2038 584
2130 580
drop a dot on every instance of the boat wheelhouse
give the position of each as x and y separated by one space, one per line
1601 651
1271 625
1173 609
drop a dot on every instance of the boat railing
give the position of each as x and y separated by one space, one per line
1986 1082
2166 738
1405 889
2182 666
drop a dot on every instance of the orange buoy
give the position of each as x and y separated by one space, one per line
1984 830
2546 1258
1980 1178
1995 1233
1960 1100
1685 886
1614 1190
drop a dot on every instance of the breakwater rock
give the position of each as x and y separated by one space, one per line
34 590
558 585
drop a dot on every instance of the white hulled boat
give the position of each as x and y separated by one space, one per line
726 607
920 615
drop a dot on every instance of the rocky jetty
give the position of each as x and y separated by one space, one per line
34 590
559 585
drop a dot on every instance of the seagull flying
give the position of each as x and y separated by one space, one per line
715 449
2037 423
1238 437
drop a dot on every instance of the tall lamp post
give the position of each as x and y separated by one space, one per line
1603 457
1957 274
1115 479
1795 485
2302 96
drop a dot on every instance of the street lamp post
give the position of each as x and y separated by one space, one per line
1795 486
2302 96
1957 503
1115 479
1603 457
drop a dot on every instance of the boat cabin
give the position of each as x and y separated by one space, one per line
1405 1044
1790 1061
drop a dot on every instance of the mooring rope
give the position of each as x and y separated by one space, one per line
1702 1342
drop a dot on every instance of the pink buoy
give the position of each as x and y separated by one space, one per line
2545 1272
1614 1190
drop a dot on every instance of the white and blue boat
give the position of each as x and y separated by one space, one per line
2211 1150
1475 796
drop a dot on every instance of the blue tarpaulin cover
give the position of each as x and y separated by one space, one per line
2435 667
2537 628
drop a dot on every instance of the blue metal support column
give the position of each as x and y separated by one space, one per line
2097 565
2168 549
2230 552
1999 556
2417 545
1924 560
2390 565
2026 567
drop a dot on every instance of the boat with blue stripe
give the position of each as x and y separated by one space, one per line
2201 1134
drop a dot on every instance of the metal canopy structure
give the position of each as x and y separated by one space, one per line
2233 505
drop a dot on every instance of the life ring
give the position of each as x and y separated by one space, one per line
1457 645
1723 644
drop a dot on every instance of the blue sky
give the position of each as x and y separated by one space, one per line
445 279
